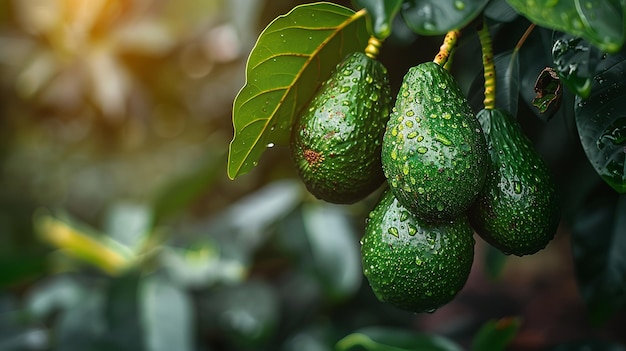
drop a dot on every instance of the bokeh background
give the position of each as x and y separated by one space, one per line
119 229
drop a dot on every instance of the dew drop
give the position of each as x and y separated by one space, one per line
459 5
411 135
394 231
404 216
437 98
412 230
418 261
270 145
410 113
422 150
421 190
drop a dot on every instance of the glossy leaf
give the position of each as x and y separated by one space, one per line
388 339
598 246
292 57
601 121
507 81
500 11
434 17
575 61
495 335
601 22
381 13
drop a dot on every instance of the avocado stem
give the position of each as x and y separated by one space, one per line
373 47
488 66
446 48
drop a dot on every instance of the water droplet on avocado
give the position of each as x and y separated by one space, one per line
422 150
270 145
393 231
410 113
437 98
418 261
411 135
518 187
404 216
421 190
412 230
459 5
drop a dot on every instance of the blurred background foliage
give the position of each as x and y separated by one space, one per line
120 230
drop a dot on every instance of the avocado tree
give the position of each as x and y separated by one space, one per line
447 156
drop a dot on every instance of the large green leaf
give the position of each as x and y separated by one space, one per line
598 246
601 121
495 335
381 13
434 17
389 339
575 61
292 57
601 22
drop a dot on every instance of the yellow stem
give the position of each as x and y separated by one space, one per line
488 66
373 47
449 42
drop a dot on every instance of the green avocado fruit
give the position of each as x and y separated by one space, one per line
411 264
434 153
336 142
518 209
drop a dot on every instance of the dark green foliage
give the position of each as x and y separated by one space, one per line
517 211
337 141
434 153
412 264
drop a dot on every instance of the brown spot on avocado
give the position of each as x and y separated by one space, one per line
313 158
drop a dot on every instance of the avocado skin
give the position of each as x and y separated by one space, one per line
336 142
518 209
434 153
411 264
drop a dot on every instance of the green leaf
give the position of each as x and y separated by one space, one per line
336 253
389 339
381 13
601 122
166 314
575 61
435 17
292 57
598 246
507 81
500 11
601 22
495 335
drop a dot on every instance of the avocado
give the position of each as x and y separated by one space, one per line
434 153
336 142
412 264
518 209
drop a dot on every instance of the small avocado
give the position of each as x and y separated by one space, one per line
412 264
336 142
434 152
517 211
